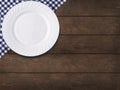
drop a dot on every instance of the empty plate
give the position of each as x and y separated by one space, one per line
30 28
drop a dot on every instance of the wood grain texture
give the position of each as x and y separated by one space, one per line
90 8
87 44
86 56
90 25
60 81
61 63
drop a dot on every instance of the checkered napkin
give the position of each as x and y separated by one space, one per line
6 5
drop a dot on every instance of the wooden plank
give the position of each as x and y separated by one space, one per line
90 25
90 8
61 63
82 44
87 44
60 81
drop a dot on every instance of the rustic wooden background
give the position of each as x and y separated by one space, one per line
86 56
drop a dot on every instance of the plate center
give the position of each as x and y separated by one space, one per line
30 28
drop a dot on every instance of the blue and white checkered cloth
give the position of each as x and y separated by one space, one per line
6 5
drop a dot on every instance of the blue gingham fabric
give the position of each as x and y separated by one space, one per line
6 5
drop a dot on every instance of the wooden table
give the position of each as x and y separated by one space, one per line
86 56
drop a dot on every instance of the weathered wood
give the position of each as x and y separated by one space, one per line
86 56
60 81
87 44
90 8
61 63
90 25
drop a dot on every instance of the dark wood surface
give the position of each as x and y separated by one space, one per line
86 56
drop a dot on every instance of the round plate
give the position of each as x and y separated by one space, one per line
30 28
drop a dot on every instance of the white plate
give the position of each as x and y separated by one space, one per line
30 28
